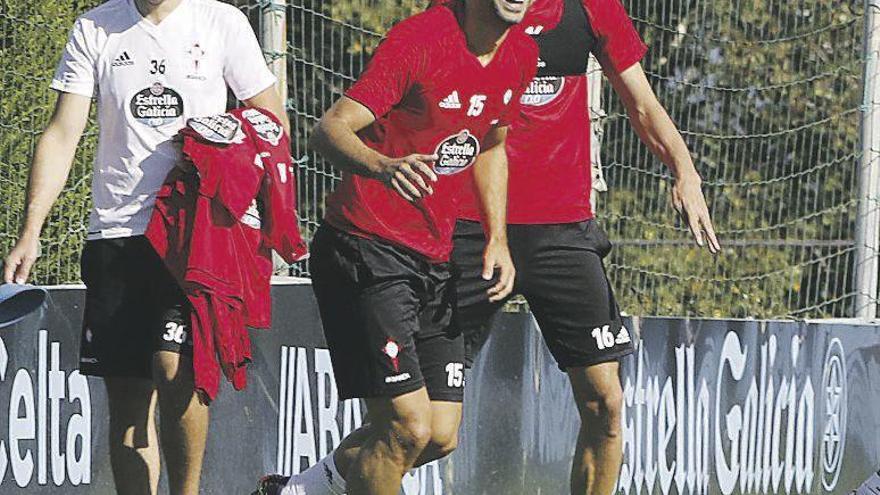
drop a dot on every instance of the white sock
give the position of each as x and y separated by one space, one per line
336 481
321 479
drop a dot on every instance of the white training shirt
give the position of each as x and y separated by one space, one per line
148 80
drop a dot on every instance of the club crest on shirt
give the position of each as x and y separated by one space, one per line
542 90
196 54
156 106
221 129
266 128
456 153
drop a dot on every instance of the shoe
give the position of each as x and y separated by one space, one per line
271 484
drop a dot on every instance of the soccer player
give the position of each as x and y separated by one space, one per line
431 108
150 64
556 244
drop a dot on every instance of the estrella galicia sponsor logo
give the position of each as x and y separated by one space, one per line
157 105
456 153
736 417
834 431
222 129
266 128
542 90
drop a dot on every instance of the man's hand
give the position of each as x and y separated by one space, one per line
497 255
18 263
688 200
409 176
654 127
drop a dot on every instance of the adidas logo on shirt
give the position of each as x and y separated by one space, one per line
451 102
622 336
123 60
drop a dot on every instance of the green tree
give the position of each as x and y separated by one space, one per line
768 94
32 35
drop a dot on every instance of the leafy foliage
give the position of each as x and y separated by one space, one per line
767 93
32 35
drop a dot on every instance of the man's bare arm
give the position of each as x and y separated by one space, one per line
50 167
490 178
335 137
658 132
271 101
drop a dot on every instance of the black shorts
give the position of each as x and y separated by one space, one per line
561 274
387 318
134 308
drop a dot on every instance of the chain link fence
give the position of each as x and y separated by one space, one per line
32 35
767 93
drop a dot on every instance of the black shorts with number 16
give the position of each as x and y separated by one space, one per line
560 272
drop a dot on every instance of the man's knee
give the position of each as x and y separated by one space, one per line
443 442
605 408
599 397
412 433
401 426
612 405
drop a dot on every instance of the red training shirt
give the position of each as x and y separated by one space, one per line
549 148
216 227
429 94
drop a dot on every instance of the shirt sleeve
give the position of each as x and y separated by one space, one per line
245 69
76 70
278 193
620 46
529 66
390 74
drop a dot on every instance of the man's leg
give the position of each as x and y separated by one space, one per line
599 450
445 421
399 431
134 446
183 421
440 350
117 345
568 291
